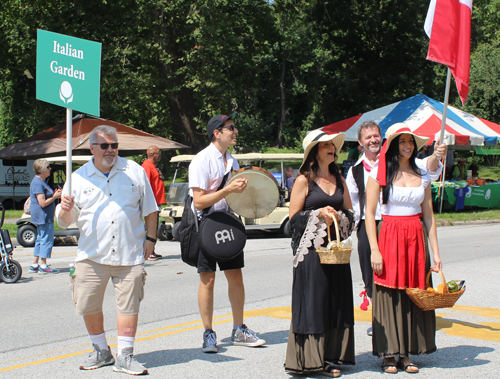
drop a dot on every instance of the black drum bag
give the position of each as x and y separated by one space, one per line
222 236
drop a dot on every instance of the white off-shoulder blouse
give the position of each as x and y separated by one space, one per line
404 201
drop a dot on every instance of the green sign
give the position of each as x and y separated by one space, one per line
488 150
68 72
485 196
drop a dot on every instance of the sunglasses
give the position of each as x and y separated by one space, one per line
228 127
105 146
48 167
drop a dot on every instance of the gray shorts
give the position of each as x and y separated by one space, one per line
89 284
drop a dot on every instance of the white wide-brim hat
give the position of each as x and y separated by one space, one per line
316 136
401 128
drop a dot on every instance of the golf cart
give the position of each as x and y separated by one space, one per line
275 222
26 230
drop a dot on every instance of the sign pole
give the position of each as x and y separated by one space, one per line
69 149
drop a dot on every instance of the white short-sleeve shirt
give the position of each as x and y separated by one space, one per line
206 172
109 212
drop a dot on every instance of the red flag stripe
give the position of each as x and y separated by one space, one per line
450 40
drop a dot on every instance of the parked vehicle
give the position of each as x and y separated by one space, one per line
15 180
26 230
276 222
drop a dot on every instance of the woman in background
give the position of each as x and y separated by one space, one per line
42 215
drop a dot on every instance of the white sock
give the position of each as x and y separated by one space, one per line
34 265
44 266
100 340
124 342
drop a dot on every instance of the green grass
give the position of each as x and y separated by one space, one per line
469 215
12 228
13 214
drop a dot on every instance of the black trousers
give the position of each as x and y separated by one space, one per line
365 261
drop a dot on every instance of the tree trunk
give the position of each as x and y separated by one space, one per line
181 112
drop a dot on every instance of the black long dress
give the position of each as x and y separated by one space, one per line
322 304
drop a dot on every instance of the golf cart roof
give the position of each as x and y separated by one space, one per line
75 159
249 157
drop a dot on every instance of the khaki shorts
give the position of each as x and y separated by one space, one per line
89 284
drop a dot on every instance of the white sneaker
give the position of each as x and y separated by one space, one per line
126 362
98 358
243 336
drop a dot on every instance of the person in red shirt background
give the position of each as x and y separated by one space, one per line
155 178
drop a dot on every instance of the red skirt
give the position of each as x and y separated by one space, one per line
402 244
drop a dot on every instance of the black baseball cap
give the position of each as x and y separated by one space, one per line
217 121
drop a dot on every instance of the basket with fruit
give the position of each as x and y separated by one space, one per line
444 295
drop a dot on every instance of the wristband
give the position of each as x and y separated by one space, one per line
148 238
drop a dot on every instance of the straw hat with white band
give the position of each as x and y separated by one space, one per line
316 136
391 133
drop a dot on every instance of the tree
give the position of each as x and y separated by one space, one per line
167 66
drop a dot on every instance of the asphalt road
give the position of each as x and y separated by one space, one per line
41 337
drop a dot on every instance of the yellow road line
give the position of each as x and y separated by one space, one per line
40 361
489 331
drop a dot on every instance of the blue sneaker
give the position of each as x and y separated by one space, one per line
47 270
34 269
209 341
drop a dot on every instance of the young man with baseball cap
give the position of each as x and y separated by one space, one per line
206 173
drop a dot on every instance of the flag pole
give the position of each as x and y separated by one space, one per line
441 135
69 149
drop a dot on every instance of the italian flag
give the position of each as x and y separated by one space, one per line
448 26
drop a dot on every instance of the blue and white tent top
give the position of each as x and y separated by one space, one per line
423 116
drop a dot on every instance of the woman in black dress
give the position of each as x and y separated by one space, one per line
322 329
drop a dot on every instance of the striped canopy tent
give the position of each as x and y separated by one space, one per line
423 116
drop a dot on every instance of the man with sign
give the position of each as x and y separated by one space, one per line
110 197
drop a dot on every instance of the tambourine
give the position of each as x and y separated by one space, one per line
259 198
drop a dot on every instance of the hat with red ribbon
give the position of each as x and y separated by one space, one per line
391 133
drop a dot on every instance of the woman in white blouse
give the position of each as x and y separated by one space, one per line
399 254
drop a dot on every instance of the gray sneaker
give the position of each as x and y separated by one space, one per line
98 358
209 341
126 362
245 337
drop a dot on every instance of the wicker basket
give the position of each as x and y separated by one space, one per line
430 300
336 254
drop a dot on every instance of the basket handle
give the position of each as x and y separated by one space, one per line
336 231
427 282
